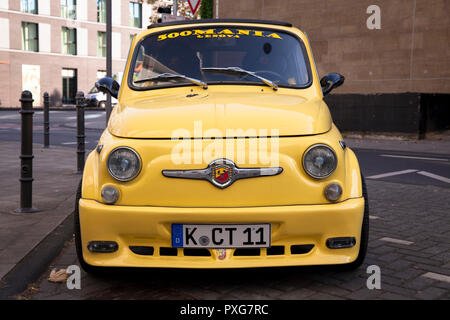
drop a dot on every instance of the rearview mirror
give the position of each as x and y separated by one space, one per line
330 82
108 85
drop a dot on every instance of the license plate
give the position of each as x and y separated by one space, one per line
221 235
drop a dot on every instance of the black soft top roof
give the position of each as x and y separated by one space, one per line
200 21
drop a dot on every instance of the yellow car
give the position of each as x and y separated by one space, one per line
221 153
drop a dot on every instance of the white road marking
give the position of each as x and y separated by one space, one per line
86 142
398 241
10 116
434 176
437 276
411 157
87 116
374 217
389 174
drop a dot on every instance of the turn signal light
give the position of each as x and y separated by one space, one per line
341 243
102 246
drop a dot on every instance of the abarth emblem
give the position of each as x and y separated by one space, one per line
222 173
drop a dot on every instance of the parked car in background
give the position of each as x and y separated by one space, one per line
96 98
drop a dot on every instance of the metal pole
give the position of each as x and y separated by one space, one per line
108 54
80 132
26 156
46 120
175 7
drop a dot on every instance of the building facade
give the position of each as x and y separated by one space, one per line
380 46
59 46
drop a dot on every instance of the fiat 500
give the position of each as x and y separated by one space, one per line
221 153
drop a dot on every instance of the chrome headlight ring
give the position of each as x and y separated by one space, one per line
333 164
134 160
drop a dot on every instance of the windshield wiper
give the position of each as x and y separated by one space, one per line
172 76
243 71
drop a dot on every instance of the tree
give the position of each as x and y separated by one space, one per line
206 9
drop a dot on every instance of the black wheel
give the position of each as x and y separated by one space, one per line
79 247
364 233
102 104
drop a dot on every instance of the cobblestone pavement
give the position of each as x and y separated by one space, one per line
417 267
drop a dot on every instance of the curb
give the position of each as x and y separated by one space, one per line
36 262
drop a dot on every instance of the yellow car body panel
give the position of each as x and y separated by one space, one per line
292 202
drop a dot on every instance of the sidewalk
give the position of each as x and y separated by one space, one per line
438 143
54 189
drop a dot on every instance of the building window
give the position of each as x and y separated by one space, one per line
101 11
69 40
101 44
135 14
30 38
69 83
101 74
29 6
69 9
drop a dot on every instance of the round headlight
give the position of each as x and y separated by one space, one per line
319 161
124 164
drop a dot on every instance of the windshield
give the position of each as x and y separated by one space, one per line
271 54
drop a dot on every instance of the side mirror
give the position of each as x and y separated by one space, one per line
330 82
110 85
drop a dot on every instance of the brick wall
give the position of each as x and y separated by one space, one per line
410 53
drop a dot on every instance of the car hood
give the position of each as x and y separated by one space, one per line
219 114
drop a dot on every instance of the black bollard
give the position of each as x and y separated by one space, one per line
26 156
80 131
46 120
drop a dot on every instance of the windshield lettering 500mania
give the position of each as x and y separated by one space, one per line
213 33
265 56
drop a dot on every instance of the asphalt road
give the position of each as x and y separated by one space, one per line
62 127
391 166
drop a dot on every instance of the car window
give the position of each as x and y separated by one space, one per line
272 54
93 90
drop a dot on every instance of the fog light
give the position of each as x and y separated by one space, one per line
110 194
102 246
341 243
333 191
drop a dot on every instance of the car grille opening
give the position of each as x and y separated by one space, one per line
246 252
275 251
239 252
145 251
190 252
163 251
301 248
